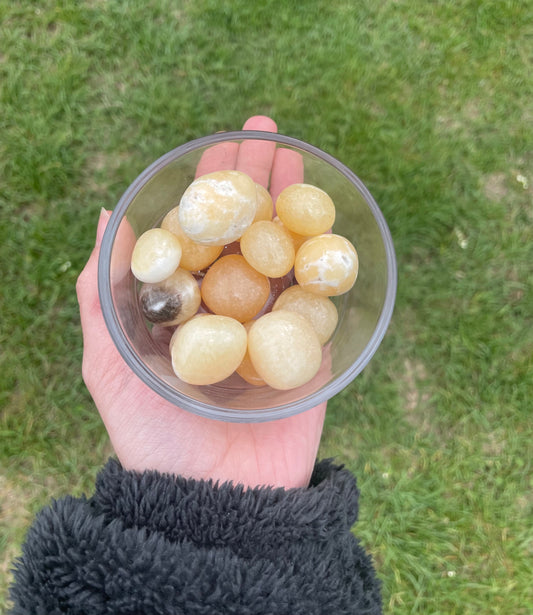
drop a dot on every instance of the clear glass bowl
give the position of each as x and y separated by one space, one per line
364 312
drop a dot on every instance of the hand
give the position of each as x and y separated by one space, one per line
146 431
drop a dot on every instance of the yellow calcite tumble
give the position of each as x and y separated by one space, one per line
246 369
172 301
320 311
155 256
231 287
218 207
284 349
326 265
195 256
265 206
268 248
305 209
207 349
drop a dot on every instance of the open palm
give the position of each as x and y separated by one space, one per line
149 433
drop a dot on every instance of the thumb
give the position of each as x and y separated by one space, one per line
102 223
98 348
87 283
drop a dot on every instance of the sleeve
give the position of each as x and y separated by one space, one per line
147 543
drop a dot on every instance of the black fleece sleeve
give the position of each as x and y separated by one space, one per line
148 543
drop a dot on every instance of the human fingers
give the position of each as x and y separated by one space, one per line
87 282
287 169
98 347
219 157
255 156
96 341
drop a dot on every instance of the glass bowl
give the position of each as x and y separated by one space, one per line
364 312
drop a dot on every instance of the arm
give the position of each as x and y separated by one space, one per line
150 543
197 516
154 434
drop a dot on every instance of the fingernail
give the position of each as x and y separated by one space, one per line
102 223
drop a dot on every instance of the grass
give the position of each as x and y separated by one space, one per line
430 104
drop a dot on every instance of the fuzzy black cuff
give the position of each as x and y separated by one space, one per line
148 543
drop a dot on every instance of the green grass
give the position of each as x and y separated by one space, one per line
430 104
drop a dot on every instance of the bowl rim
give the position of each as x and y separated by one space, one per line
198 407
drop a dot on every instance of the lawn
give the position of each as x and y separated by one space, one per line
430 104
